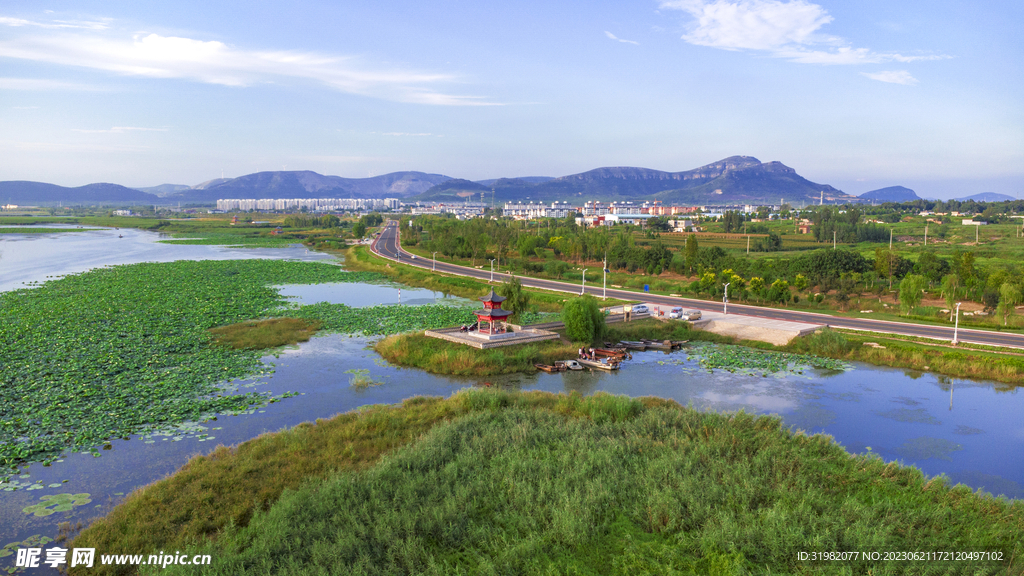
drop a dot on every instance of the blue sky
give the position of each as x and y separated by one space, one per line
859 95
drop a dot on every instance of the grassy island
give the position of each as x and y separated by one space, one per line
535 483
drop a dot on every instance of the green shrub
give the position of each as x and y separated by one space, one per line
828 342
583 320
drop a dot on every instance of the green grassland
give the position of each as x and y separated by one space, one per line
491 482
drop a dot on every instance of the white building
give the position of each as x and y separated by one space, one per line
313 204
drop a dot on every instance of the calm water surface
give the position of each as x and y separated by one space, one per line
970 431
28 258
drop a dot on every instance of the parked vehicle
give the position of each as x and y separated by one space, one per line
692 315
675 313
640 309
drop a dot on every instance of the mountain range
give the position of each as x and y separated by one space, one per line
25 192
733 180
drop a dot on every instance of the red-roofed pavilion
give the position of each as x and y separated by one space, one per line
491 313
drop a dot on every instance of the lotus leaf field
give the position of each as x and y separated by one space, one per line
744 360
125 350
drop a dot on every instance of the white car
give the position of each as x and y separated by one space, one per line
641 309
676 313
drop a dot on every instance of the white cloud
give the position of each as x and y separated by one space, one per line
210 61
614 37
410 134
119 130
82 24
893 77
43 84
784 29
751 24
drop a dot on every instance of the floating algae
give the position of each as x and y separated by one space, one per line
967 430
918 416
34 541
925 447
52 503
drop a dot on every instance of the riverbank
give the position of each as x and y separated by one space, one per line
620 486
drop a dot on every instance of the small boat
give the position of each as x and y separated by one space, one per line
557 367
620 353
572 365
665 346
641 346
606 364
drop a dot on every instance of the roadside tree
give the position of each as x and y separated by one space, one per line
583 320
950 285
1009 297
516 301
911 291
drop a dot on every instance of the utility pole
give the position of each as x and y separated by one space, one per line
604 287
926 235
433 266
584 287
725 299
748 243
957 325
833 239
492 271
890 239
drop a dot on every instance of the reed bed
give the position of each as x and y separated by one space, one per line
545 484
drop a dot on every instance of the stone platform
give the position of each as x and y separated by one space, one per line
485 341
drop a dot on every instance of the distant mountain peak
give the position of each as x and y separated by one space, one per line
891 194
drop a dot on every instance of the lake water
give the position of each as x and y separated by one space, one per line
28 258
970 431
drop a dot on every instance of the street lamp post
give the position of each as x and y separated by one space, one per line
434 258
604 284
725 299
957 325
584 287
492 270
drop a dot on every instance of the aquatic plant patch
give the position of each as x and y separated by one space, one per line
262 334
383 319
743 360
125 349
247 241
52 503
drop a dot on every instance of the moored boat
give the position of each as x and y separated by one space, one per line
606 364
556 367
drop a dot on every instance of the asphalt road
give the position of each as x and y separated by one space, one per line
387 246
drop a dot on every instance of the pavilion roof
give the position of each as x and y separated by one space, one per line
492 297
